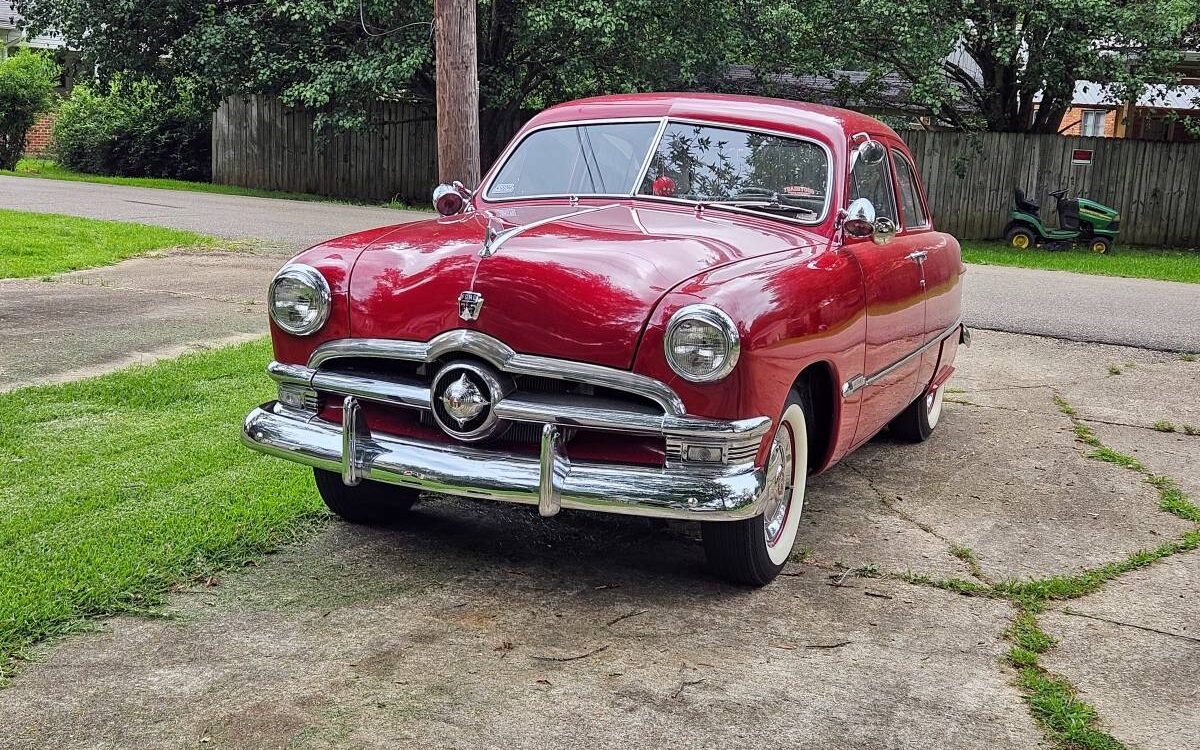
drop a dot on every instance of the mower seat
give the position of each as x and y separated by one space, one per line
1028 206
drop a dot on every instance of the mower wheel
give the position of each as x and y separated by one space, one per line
1100 245
1020 238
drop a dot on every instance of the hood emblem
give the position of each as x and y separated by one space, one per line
469 305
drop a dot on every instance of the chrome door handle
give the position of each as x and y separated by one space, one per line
919 255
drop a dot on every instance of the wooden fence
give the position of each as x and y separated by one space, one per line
258 142
970 180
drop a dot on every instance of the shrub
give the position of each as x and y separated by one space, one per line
136 131
27 82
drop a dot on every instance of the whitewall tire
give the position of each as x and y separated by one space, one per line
753 552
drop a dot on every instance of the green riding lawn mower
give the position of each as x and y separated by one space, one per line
1079 221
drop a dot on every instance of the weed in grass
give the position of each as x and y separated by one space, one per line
956 585
955 390
1114 370
1191 430
1026 633
964 553
1108 455
1068 721
1064 407
801 555
1188 357
1163 425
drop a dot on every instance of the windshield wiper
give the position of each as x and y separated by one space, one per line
770 205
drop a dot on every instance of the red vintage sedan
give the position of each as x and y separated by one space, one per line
666 305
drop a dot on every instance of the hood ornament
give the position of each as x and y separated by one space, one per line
469 305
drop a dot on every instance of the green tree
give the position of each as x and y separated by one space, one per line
1007 65
27 82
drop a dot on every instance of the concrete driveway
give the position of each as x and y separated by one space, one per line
479 625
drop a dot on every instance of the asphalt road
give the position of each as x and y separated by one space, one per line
1098 309
293 224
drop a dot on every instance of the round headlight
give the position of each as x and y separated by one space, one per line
299 299
702 343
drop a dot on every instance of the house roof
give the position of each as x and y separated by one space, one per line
1184 96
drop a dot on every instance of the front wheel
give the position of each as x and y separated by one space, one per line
753 551
367 502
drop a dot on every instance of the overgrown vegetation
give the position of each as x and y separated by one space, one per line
1129 260
134 130
33 244
27 81
149 488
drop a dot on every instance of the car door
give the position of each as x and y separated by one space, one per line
942 264
895 305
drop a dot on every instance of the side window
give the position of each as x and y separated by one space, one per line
910 192
874 182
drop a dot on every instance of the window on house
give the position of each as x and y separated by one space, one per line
1092 122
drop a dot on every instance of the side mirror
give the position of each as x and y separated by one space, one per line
868 152
859 222
450 198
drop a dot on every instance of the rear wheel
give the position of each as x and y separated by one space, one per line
1020 238
917 421
366 502
1100 245
753 551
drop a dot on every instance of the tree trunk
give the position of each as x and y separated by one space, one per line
457 91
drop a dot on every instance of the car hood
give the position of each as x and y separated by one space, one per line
574 282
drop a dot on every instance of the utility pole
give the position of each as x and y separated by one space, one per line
457 91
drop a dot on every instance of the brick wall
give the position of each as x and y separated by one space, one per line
37 140
1073 120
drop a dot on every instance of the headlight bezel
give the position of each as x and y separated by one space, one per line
711 316
316 281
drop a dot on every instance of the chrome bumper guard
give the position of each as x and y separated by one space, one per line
687 490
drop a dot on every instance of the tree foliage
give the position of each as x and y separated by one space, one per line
27 82
999 64
1007 65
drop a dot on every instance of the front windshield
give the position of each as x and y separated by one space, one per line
595 159
701 163
739 167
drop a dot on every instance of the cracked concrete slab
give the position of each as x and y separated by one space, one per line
1171 453
1022 372
474 629
1133 651
1015 489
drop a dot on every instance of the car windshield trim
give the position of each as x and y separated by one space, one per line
632 192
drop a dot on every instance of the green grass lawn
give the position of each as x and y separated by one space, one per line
33 244
48 169
117 488
1128 260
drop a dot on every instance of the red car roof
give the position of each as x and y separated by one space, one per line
750 111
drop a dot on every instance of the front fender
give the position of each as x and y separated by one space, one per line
792 310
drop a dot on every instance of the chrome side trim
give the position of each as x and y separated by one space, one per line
502 357
858 382
716 492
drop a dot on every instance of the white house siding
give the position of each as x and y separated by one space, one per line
11 34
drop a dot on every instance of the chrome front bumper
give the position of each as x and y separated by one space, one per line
688 490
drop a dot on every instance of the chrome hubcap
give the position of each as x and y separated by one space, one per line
779 484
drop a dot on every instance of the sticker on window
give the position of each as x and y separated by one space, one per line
503 187
804 190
